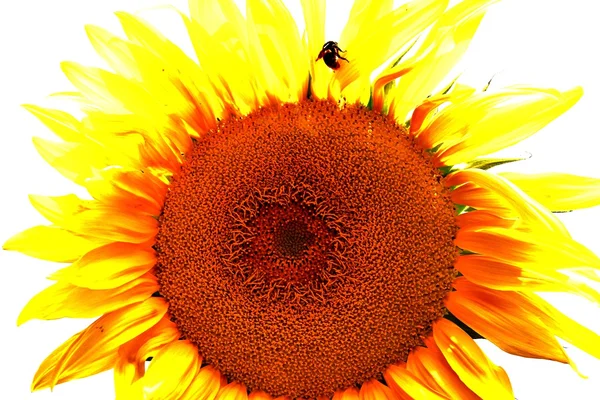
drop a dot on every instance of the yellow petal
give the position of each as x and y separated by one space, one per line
266 74
220 17
227 70
566 328
57 209
63 300
492 121
94 349
382 34
382 82
78 160
443 47
430 366
171 371
469 194
477 219
259 395
347 394
233 391
46 377
501 275
280 41
523 248
119 97
314 19
205 386
108 266
496 274
115 51
115 225
558 192
130 365
91 218
128 188
363 12
552 261
407 386
507 319
220 38
530 212
127 138
64 125
427 111
375 390
51 243
159 155
472 366
108 91
194 99
75 161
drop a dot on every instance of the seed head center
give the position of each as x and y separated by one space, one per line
306 247
288 244
292 238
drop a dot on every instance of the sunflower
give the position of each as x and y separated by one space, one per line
292 217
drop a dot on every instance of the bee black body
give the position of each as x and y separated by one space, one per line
330 53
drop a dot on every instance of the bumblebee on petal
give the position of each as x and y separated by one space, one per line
330 53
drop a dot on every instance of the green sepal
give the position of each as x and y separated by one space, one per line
487 163
445 170
460 208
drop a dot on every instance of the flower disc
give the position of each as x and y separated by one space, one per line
306 247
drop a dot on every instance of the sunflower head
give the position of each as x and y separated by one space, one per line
287 216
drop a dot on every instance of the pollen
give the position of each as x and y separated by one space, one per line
306 247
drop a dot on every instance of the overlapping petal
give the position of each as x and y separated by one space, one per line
530 213
374 390
383 32
76 161
220 39
51 243
483 377
407 386
503 275
508 319
64 300
429 365
233 391
94 349
280 42
314 19
64 125
171 371
130 365
108 266
205 385
521 248
558 192
566 327
135 189
188 92
347 394
493 120
86 217
443 47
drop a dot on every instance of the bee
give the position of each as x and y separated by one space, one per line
330 53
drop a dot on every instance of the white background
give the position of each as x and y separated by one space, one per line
546 43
